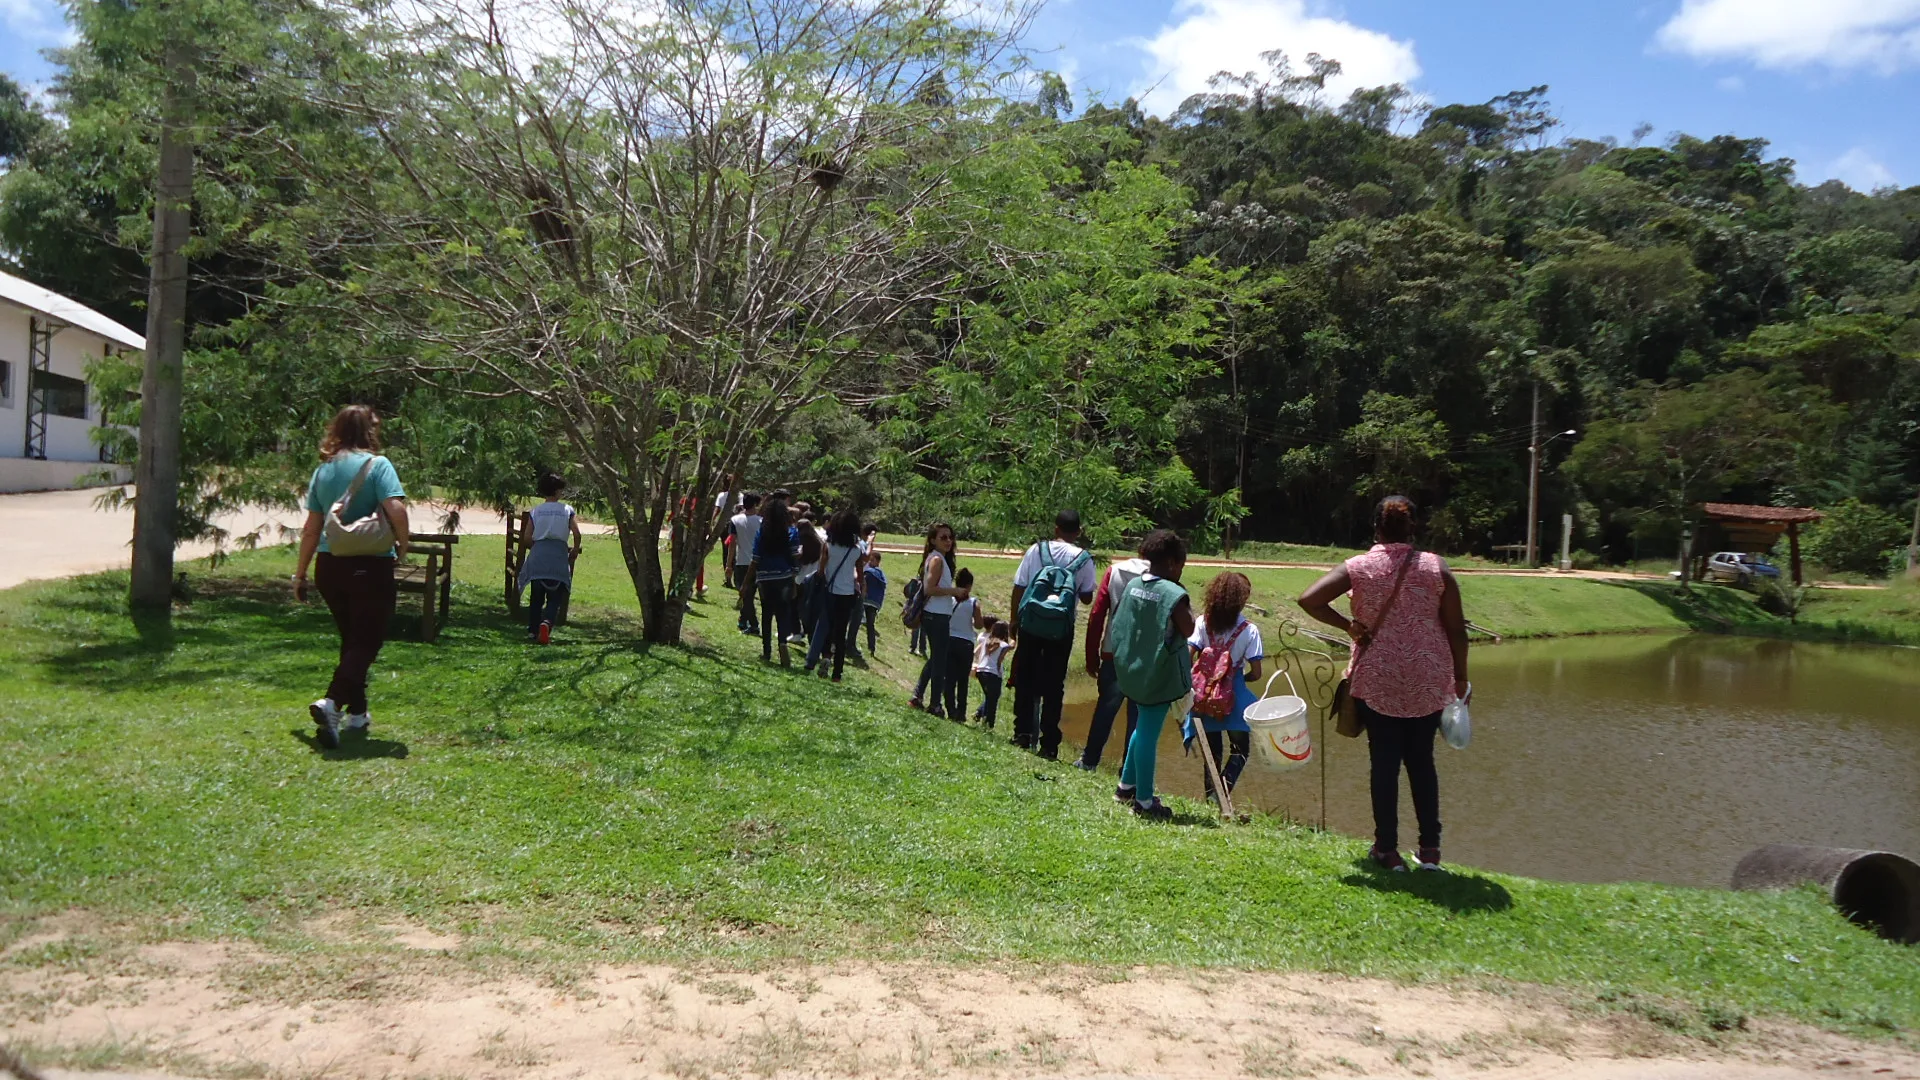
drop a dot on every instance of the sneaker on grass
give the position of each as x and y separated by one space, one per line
1154 810
1123 793
326 723
1428 859
359 722
1388 859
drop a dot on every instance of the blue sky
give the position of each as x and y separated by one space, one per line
1831 83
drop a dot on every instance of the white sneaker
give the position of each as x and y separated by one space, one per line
796 639
359 721
326 722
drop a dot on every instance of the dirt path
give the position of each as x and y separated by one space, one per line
53 534
415 1005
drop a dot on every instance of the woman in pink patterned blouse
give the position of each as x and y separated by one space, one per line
1409 660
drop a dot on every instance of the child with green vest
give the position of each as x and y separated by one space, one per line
1151 662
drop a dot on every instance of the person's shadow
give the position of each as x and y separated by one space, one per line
1459 893
353 747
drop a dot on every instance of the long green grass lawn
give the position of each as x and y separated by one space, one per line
597 801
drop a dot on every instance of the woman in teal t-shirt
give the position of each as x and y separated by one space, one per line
1148 646
358 589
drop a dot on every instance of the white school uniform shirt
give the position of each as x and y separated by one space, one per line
939 605
812 567
1246 648
989 655
961 625
843 567
746 530
551 520
1061 553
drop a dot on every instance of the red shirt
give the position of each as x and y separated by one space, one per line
1103 609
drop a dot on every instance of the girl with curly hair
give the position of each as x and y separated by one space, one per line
1227 627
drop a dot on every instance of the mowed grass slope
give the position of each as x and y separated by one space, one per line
594 801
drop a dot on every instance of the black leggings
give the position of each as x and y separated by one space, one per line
776 606
544 599
1230 766
989 697
359 591
832 633
1393 742
959 666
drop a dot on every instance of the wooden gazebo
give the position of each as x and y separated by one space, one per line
1753 529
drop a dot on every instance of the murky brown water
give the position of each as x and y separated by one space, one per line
1645 758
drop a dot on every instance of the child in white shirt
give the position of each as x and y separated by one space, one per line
989 660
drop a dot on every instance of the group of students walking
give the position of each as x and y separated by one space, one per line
1146 647
793 574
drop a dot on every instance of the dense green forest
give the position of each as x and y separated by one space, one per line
1248 319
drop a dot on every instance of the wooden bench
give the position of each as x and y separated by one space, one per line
432 578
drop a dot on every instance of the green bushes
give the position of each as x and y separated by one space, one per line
1855 538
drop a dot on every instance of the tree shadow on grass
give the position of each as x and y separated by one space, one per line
1462 894
196 644
353 747
1705 608
1728 610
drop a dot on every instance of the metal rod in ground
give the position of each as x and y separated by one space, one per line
1225 799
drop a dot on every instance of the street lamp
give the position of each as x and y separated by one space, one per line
1533 488
1533 482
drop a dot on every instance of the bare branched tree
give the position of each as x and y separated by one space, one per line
671 226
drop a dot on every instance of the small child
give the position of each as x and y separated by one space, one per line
873 596
961 625
1225 626
916 637
988 660
546 559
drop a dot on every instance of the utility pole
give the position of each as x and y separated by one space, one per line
1913 542
1533 485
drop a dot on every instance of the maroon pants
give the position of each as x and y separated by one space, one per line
359 591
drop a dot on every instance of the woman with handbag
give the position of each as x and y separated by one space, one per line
938 587
357 522
1409 660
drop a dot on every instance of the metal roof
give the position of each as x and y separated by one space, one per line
71 312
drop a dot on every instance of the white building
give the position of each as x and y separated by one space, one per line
47 410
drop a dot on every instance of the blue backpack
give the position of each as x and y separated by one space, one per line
1046 608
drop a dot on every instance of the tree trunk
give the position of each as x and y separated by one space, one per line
660 618
157 476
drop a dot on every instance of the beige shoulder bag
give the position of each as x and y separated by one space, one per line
371 535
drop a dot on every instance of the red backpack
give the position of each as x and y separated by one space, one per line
1213 677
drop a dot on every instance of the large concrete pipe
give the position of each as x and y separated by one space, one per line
1876 889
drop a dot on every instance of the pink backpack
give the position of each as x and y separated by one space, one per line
1213 677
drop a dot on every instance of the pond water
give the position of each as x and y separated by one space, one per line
1641 758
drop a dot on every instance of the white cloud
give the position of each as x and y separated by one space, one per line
1210 36
38 22
1879 35
1861 171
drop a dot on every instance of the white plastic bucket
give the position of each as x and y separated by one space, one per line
1281 737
